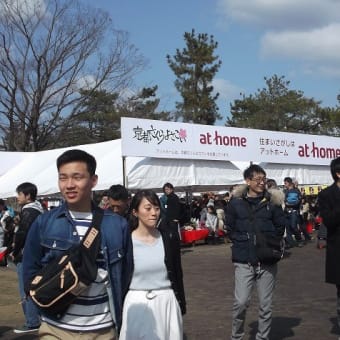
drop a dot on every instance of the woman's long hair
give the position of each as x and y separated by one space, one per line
150 195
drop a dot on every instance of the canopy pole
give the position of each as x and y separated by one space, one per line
124 172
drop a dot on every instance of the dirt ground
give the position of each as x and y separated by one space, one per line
11 314
304 306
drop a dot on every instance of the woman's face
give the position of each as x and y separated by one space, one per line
147 214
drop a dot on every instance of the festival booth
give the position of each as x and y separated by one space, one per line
135 172
192 157
182 146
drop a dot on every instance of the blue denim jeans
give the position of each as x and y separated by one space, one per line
292 217
31 311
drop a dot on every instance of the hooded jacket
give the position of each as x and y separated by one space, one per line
243 212
29 213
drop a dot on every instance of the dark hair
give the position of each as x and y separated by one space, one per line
335 167
212 207
288 180
168 185
118 192
28 188
271 183
2 202
150 195
75 155
254 168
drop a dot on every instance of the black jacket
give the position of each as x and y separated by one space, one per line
329 207
173 209
241 215
173 262
29 213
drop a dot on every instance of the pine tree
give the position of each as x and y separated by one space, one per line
278 108
195 67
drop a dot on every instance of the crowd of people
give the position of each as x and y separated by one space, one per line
139 290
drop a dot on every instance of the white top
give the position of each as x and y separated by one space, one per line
150 272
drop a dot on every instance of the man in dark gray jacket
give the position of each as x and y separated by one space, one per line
251 205
329 207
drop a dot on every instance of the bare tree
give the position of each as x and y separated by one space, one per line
49 50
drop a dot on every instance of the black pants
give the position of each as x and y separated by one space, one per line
338 305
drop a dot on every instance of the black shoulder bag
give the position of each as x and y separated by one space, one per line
58 284
269 248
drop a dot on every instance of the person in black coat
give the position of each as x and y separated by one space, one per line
252 213
172 206
329 208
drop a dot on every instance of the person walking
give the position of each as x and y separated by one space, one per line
329 209
251 205
6 213
118 197
171 205
30 209
96 313
154 305
292 210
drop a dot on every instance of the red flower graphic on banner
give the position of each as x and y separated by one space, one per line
182 134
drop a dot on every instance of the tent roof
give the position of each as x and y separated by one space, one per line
142 172
184 174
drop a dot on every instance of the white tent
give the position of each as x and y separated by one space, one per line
142 172
184 174
304 174
40 168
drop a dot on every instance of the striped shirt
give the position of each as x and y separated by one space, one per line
90 311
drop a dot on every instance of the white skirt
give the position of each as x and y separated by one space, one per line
151 315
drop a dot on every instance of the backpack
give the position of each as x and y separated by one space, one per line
292 198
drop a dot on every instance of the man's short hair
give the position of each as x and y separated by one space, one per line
288 180
76 155
168 185
28 188
118 193
335 167
2 202
254 168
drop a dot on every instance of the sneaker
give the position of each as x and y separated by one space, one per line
25 329
3 251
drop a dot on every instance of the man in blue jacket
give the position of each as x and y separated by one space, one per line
253 210
96 313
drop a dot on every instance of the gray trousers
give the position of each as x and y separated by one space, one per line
245 277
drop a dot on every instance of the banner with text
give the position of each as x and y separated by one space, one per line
153 138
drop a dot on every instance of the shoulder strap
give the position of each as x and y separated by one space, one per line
93 232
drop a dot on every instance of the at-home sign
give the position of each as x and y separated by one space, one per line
153 138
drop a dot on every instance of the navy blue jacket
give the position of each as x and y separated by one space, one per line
267 215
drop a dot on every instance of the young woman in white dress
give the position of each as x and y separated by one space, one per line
155 302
